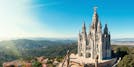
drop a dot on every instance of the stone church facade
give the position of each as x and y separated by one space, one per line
95 43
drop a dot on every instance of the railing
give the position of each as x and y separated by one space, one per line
117 62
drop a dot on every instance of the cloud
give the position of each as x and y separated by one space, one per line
45 4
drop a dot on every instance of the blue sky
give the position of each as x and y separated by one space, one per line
63 18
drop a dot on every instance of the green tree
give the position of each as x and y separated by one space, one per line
122 51
127 61
36 64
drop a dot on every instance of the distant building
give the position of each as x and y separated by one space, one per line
20 63
96 42
17 63
42 60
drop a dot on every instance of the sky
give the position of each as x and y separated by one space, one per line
63 18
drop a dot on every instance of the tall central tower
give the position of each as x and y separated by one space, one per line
96 43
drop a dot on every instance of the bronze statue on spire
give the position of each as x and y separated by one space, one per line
95 8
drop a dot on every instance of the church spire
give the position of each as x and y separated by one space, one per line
79 36
99 27
95 19
106 29
84 33
99 24
84 28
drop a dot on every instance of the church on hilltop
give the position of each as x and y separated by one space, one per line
94 47
97 42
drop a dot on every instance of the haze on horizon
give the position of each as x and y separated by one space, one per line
63 18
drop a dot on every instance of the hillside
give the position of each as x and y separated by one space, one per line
28 49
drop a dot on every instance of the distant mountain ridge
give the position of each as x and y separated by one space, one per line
27 43
47 41
117 41
123 41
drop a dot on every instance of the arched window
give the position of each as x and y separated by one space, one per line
88 55
81 54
